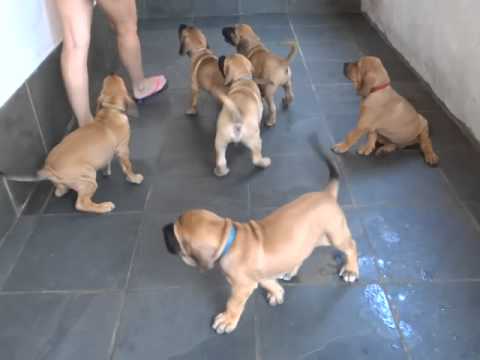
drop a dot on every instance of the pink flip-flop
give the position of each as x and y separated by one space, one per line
160 85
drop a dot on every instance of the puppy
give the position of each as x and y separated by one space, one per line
205 72
241 115
74 162
385 116
260 252
266 65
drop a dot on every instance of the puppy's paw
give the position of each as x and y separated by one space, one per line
432 159
348 275
221 170
364 150
106 207
135 179
264 162
286 102
225 323
340 148
276 299
192 111
60 191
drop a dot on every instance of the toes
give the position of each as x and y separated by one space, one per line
432 160
136 179
223 324
274 300
107 206
264 163
191 112
339 148
348 276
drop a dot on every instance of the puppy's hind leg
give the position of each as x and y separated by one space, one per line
60 190
426 145
272 108
221 168
193 107
288 98
86 189
123 154
342 239
275 292
254 143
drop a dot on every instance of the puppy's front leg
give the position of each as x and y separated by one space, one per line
343 241
124 156
351 139
367 148
288 98
254 143
426 145
227 321
272 108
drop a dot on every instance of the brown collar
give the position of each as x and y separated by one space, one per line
379 87
109 106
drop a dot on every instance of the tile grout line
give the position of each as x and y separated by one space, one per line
10 196
113 340
37 120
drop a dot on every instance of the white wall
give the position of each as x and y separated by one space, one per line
441 40
29 31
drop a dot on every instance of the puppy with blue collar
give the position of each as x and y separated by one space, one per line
261 252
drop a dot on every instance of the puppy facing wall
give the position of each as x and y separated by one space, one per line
385 116
266 65
241 115
205 72
261 252
74 162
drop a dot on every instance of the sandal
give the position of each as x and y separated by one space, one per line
160 85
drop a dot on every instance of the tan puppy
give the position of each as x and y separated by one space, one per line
74 162
266 65
385 116
260 252
241 115
205 72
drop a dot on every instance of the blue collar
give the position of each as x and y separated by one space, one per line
230 240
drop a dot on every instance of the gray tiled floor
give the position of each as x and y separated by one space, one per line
103 287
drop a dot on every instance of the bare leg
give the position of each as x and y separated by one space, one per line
227 321
275 292
351 139
288 98
76 19
123 16
255 145
367 148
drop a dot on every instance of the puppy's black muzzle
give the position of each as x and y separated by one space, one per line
227 34
171 241
345 69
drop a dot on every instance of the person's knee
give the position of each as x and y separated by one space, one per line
76 44
126 28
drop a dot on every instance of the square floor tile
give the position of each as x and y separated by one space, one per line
176 323
328 72
76 252
225 195
338 99
334 50
323 265
53 326
398 178
416 243
154 267
334 322
439 321
319 33
288 177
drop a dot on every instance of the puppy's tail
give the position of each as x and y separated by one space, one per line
41 175
293 50
233 110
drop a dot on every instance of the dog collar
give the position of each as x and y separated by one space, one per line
230 240
379 87
113 107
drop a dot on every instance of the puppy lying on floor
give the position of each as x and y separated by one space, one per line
205 72
385 116
241 115
260 252
74 162
266 64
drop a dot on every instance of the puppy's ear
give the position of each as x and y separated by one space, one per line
181 50
367 82
100 101
221 64
171 240
181 27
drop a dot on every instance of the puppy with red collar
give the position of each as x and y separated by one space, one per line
261 252
385 116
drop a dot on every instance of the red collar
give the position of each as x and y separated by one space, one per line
379 87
